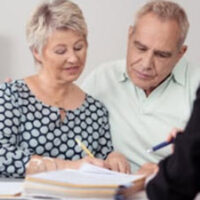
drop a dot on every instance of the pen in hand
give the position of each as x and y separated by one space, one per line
159 146
84 148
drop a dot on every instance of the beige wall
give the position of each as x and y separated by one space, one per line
108 22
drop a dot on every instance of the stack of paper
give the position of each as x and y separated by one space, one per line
87 182
10 188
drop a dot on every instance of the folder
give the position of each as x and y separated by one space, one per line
87 182
10 188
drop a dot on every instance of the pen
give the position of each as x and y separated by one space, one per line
87 151
159 146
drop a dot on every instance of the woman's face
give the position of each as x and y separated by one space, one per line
64 55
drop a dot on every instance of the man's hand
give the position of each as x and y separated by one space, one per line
148 169
174 133
8 80
117 162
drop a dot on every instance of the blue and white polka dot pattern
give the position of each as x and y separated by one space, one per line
27 127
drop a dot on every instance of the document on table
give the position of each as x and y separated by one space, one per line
89 182
87 175
10 188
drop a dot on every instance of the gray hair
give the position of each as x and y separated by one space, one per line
53 15
167 10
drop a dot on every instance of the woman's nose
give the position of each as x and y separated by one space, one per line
72 57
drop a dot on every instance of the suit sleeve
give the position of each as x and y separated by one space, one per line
179 174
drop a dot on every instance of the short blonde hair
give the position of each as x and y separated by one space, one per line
167 10
51 15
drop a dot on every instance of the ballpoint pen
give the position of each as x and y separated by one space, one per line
159 146
87 151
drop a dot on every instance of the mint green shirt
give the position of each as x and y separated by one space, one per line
139 122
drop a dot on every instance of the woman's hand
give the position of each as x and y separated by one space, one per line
38 164
117 162
76 164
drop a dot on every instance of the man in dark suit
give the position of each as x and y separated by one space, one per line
179 174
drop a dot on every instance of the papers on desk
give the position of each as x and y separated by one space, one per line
10 188
88 182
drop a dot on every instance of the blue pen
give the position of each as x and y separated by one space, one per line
159 146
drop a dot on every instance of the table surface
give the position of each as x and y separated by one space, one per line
11 186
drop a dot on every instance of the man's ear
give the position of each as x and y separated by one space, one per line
182 50
130 31
130 34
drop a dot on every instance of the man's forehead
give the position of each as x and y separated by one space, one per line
158 37
151 20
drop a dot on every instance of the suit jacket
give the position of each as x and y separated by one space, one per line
179 174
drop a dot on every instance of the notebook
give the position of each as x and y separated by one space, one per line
88 182
10 187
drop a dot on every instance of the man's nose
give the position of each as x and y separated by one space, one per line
147 61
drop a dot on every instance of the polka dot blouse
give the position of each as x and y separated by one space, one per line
28 127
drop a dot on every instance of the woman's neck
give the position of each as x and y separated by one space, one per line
55 87
52 92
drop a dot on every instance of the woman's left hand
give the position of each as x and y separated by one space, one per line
117 162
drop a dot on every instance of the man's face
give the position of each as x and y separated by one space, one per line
152 51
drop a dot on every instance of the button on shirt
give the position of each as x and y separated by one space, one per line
139 122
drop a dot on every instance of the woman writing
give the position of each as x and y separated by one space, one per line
42 115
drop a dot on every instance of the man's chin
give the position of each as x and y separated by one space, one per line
141 85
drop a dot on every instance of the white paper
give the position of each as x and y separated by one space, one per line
93 169
88 175
10 187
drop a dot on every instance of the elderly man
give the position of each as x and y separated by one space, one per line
153 91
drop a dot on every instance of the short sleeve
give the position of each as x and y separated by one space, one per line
13 157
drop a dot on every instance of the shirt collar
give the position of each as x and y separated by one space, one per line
122 73
178 73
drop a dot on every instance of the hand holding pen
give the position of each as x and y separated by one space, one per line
84 148
126 191
90 157
170 140
114 161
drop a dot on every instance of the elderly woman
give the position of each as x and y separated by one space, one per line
42 115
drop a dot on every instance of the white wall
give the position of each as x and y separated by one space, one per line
108 22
